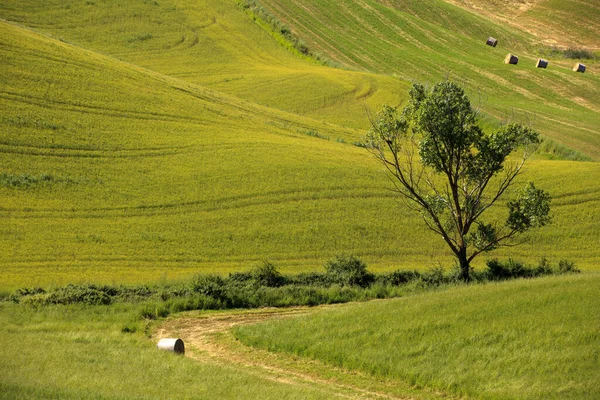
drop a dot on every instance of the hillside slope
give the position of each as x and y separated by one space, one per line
214 44
112 171
430 40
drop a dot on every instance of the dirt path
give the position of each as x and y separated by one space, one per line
207 338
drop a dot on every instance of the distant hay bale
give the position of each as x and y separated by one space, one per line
541 63
511 59
174 345
579 67
492 42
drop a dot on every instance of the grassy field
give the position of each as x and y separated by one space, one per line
82 353
146 141
431 40
526 339
121 162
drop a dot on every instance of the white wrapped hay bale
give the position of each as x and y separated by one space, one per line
174 345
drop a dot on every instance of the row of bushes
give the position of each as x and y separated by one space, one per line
344 279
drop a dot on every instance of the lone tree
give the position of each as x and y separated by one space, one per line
440 160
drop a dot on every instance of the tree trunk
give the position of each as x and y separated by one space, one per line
464 264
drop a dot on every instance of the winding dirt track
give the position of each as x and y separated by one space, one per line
208 339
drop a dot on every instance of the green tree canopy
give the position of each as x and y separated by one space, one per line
441 161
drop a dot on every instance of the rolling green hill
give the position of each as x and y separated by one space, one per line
430 40
214 44
143 140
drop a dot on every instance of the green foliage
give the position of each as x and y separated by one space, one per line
511 269
457 176
70 294
483 236
23 292
345 278
209 285
26 181
567 266
348 270
399 277
266 274
531 209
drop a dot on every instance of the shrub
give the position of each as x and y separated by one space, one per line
348 271
566 266
267 275
23 292
435 277
544 268
397 278
240 277
500 271
132 293
84 294
310 279
209 285
512 269
578 54
34 300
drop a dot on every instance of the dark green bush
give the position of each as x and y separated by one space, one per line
399 277
436 277
83 294
498 270
310 279
267 275
566 266
511 269
19 293
348 271
209 285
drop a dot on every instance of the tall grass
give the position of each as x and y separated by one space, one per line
524 339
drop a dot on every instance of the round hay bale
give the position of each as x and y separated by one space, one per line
541 63
174 345
511 59
579 67
492 42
